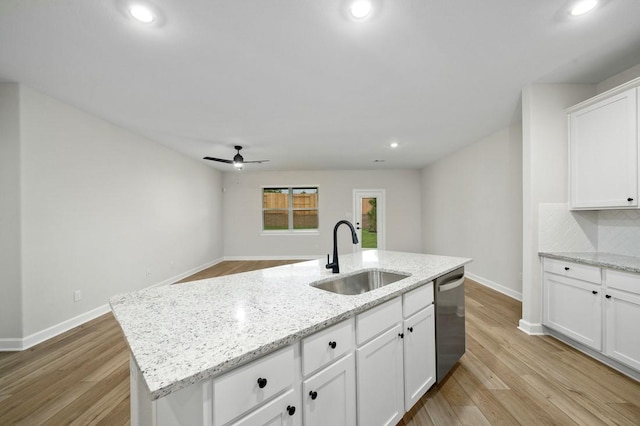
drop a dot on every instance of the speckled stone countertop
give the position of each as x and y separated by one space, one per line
185 333
603 260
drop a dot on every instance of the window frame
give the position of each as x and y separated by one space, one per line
290 210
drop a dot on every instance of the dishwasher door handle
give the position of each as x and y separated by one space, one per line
452 285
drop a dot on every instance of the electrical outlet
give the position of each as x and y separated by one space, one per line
77 296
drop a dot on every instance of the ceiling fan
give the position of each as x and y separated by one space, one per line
238 160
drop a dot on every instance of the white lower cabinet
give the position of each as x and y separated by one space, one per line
380 379
329 397
282 411
622 315
574 308
419 355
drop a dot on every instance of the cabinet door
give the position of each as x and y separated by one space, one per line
574 308
419 355
282 411
621 319
380 380
329 397
603 154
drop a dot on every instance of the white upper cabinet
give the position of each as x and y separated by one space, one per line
603 153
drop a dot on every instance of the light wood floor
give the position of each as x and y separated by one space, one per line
506 377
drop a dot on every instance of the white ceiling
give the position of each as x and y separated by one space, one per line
297 82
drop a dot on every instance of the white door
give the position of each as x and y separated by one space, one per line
329 397
368 218
419 355
380 386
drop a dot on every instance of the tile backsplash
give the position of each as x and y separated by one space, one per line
608 231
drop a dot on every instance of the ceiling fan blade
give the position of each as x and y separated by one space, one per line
218 159
259 161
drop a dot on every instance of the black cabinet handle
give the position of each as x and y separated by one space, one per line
262 382
291 410
333 344
410 329
313 394
629 199
401 335
566 268
594 292
608 296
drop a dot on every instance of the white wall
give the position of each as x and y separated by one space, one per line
10 298
544 162
243 211
471 207
105 211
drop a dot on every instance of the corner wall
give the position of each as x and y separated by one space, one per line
11 298
104 211
471 207
545 177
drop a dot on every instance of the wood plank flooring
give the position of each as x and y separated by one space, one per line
506 377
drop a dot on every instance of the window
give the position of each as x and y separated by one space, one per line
289 209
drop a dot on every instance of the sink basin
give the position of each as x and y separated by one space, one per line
359 283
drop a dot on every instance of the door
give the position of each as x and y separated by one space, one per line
419 355
329 397
380 386
368 218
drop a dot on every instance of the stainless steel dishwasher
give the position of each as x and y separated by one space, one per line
450 330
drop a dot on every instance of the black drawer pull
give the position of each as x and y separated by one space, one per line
594 292
291 410
629 199
608 296
401 335
333 344
566 268
313 394
262 382
410 329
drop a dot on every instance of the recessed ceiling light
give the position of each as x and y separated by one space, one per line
142 13
583 6
360 9
393 144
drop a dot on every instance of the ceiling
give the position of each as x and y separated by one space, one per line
299 83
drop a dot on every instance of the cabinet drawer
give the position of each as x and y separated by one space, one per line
377 320
573 270
417 299
323 347
284 410
625 281
238 391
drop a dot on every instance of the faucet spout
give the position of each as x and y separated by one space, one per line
334 265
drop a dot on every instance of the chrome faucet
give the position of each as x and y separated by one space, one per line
334 266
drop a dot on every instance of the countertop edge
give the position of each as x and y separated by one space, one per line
603 260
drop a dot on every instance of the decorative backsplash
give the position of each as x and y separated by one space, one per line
608 231
619 232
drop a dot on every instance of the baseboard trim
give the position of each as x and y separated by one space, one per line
495 286
14 345
297 257
531 328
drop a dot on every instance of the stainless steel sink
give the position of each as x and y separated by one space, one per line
359 283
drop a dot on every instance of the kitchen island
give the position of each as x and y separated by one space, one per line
182 336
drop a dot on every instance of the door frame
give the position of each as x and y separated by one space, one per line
379 194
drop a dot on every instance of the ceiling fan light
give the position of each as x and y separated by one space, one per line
237 165
141 13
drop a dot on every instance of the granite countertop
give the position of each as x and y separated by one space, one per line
603 260
185 333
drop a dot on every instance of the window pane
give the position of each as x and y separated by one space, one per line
275 198
305 219
305 198
275 219
369 222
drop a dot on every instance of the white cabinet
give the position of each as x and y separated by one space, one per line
419 355
603 153
573 307
329 397
622 315
380 379
282 411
